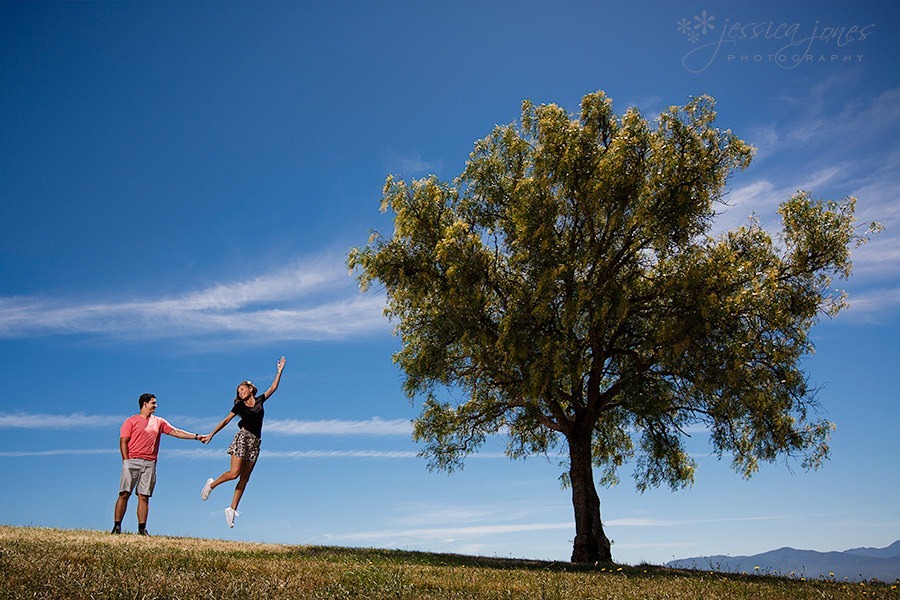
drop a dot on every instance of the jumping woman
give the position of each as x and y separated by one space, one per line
244 449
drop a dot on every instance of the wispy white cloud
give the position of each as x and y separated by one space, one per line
818 178
417 515
836 149
210 453
877 185
758 198
373 426
650 522
764 138
45 421
833 127
389 454
313 300
314 454
451 532
43 453
336 427
880 258
875 265
650 106
456 531
870 305
216 454
411 165
761 198
203 453
641 522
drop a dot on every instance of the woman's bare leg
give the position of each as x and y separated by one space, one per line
230 475
246 469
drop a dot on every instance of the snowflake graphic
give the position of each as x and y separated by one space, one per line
704 22
693 37
684 26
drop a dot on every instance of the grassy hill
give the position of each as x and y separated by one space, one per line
53 563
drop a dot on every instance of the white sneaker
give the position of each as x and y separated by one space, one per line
230 514
204 493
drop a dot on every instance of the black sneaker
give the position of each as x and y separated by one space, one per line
116 530
144 532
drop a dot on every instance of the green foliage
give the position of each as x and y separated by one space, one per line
567 283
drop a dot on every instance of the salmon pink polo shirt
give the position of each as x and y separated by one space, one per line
144 435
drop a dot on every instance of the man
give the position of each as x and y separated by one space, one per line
139 445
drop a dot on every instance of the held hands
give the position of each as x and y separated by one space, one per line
205 439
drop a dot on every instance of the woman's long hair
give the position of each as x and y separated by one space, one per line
249 384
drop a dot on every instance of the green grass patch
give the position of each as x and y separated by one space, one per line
54 563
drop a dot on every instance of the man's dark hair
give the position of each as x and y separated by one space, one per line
144 399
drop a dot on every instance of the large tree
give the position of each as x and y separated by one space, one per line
567 283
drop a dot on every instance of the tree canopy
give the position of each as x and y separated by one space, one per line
568 283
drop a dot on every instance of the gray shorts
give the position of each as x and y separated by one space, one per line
140 473
245 445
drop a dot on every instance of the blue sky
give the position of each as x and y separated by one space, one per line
180 184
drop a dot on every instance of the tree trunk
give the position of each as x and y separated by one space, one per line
591 544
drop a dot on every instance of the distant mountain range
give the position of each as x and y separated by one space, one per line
856 564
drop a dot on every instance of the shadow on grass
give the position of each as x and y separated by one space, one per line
435 559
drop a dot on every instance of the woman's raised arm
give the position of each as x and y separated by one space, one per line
277 379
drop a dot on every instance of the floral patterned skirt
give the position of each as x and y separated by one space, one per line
245 445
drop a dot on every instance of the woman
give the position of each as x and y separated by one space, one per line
244 449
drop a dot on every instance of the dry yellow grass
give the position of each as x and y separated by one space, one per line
52 563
